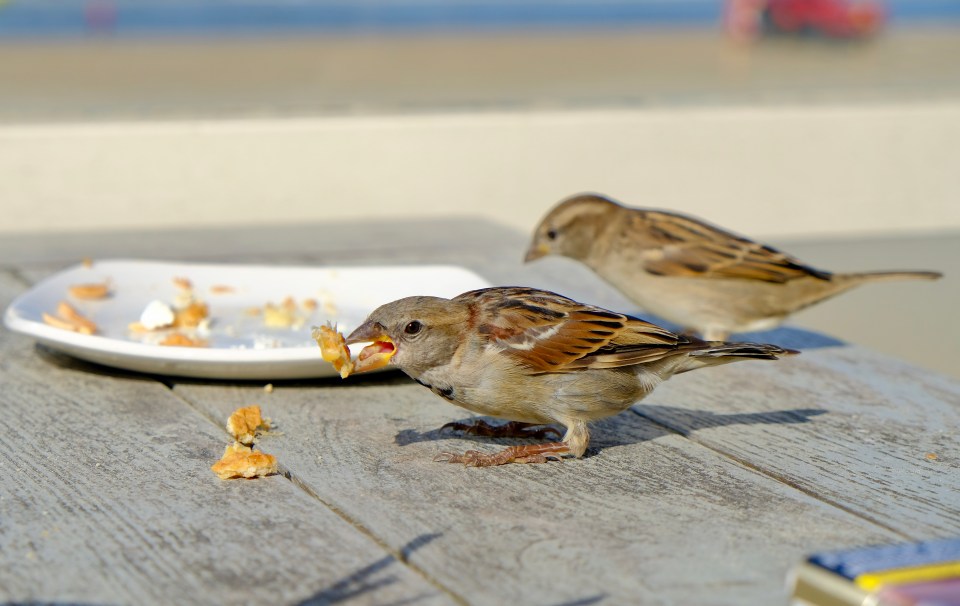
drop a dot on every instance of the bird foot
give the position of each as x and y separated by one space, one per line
528 453
512 429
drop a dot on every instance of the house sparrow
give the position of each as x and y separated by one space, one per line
533 357
688 272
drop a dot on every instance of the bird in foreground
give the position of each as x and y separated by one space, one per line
535 358
696 275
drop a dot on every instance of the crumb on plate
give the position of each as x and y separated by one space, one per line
69 318
93 291
192 315
178 339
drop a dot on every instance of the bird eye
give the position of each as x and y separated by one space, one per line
413 327
552 234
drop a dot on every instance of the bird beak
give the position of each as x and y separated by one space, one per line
536 251
378 353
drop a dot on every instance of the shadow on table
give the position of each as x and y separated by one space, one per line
688 420
625 428
363 581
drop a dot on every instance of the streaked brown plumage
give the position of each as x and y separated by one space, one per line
537 357
687 271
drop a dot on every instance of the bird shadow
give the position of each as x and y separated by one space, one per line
647 422
688 420
366 579
650 421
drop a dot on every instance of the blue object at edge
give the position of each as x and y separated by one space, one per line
854 562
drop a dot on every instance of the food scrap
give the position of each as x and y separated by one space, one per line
282 315
69 318
244 423
239 461
187 313
178 339
92 291
191 315
333 348
156 314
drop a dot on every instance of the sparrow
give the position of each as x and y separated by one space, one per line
703 278
535 358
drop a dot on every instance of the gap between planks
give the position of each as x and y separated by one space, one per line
285 471
774 476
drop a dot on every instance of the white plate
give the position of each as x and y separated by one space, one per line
240 346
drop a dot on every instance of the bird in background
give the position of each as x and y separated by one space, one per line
535 358
688 272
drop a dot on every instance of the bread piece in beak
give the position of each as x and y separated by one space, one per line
333 349
378 353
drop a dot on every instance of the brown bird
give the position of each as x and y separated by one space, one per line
535 358
688 272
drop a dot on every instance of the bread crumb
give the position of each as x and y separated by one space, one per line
183 283
89 291
69 318
932 456
239 461
277 316
191 316
222 289
156 314
268 388
244 423
178 339
333 348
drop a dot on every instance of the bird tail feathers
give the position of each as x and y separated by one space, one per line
883 276
713 353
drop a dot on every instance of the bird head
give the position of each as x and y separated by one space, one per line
571 227
413 334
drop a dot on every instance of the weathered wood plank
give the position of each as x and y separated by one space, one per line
868 451
651 519
107 497
627 525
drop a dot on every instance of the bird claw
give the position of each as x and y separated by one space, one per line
530 453
512 429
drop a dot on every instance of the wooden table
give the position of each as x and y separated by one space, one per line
708 492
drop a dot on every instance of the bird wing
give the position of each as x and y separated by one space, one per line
676 245
547 332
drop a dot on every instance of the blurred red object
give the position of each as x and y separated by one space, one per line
833 18
747 19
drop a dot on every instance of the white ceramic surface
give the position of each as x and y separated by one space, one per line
240 346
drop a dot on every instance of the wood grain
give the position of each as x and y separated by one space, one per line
868 452
708 492
107 497
651 518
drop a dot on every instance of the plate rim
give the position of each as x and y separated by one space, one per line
209 358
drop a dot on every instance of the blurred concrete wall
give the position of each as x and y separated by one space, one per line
767 170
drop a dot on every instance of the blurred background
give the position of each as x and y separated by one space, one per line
828 128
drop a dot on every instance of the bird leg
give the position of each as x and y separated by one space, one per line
528 453
512 429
